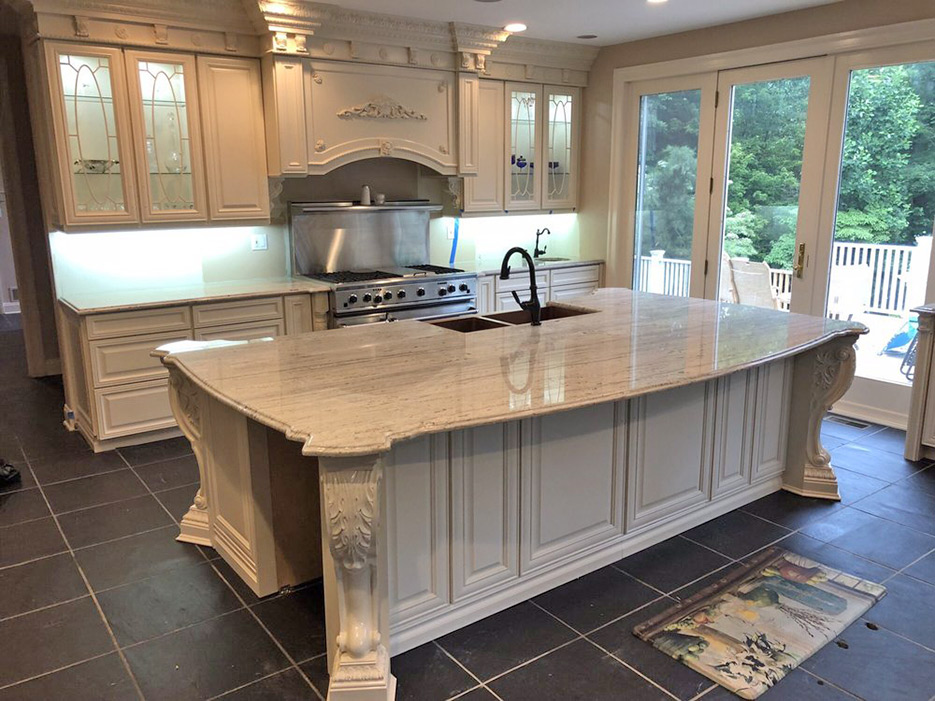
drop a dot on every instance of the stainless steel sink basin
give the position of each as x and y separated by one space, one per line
548 312
468 324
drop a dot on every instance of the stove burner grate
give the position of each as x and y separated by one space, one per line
344 276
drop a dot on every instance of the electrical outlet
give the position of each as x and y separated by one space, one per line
258 242
451 231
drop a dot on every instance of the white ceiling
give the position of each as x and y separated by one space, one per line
614 21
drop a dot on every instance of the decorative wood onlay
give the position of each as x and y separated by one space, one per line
350 490
380 107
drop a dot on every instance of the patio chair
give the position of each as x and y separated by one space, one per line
752 284
727 292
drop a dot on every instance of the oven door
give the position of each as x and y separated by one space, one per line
434 311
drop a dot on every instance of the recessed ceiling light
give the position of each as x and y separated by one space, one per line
656 2
514 27
486 0
587 36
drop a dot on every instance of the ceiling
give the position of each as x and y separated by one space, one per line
614 21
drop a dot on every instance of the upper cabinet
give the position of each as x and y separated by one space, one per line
167 136
127 137
533 160
93 163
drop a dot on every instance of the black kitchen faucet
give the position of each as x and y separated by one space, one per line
532 306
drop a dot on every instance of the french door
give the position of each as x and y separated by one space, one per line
802 186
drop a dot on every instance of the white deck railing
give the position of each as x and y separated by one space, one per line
890 264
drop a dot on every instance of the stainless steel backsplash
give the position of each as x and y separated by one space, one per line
331 238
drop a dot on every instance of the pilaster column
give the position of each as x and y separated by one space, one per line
820 378
185 400
356 587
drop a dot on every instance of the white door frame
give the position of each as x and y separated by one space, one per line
624 246
819 71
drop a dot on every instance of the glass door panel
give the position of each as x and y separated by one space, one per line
757 222
523 184
167 136
667 167
561 147
885 212
91 124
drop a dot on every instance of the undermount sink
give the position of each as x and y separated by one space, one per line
520 316
468 324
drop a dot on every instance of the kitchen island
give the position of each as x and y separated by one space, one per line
433 477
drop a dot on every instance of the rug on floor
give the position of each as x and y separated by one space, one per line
750 629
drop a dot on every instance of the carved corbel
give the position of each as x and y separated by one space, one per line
277 208
230 41
413 56
81 27
481 62
453 191
161 34
352 519
301 44
467 61
280 41
821 377
185 401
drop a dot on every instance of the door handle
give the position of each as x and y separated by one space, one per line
799 266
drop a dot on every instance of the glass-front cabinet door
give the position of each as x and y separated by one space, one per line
523 182
92 133
560 147
167 136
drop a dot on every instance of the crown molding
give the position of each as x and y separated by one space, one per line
220 15
552 54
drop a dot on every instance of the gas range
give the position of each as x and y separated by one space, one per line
391 293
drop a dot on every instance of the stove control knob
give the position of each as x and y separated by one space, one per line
463 287
420 292
442 291
451 288
401 294
387 295
352 299
367 297
377 299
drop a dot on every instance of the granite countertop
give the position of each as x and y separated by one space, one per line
358 390
128 300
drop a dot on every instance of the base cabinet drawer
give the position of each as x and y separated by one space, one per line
576 275
139 322
136 408
560 294
122 360
242 332
238 312
506 303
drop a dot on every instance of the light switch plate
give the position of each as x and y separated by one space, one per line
258 242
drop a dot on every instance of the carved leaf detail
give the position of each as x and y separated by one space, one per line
381 107
350 499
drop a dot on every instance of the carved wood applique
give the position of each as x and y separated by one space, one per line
350 500
381 107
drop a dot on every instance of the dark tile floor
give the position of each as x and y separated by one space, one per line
98 601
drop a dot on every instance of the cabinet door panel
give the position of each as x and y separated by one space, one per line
572 491
167 136
506 303
417 526
733 442
235 142
560 147
135 408
772 419
284 104
523 144
665 475
91 121
484 507
560 294
484 191
485 294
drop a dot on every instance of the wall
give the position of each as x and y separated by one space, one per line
843 16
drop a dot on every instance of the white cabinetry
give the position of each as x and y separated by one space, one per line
573 483
484 190
486 295
484 508
127 137
417 516
554 285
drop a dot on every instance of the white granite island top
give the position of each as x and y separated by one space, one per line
358 390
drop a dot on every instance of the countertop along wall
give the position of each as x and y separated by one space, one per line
847 15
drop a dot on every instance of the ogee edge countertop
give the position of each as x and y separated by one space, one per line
357 391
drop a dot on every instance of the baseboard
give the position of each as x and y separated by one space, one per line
863 412
10 308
